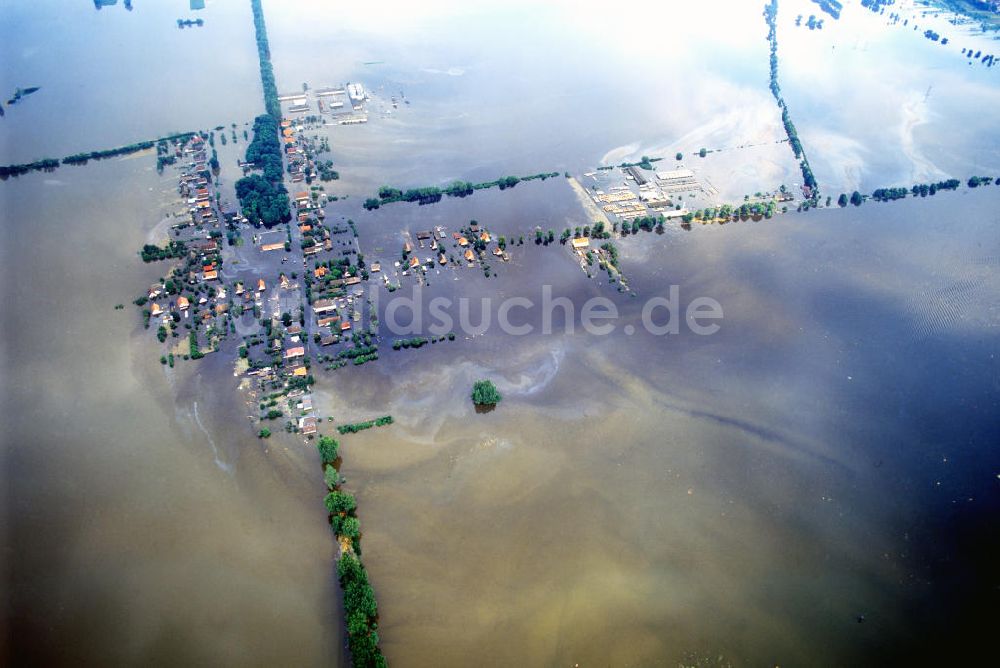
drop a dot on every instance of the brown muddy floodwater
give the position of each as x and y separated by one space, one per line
148 525
738 499
742 498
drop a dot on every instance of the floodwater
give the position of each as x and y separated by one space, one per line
879 105
521 88
113 77
828 455
816 483
145 522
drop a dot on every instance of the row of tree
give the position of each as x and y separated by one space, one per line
264 199
988 60
889 194
271 102
808 179
645 162
420 341
415 342
596 232
744 211
363 352
917 190
831 7
976 181
49 164
877 6
360 606
432 194
355 427
81 158
812 22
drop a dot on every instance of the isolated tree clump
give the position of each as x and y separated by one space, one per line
485 393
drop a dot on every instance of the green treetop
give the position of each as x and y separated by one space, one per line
485 393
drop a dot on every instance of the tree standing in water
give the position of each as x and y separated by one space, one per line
485 393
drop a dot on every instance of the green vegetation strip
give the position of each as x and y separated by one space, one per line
771 16
271 103
429 195
264 199
918 190
743 212
420 341
831 7
360 607
173 249
361 426
645 162
49 164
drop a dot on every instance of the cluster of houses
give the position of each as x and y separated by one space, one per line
327 277
334 287
208 256
193 292
469 242
288 350
302 402
299 165
250 297
332 100
480 239
292 344
201 232
309 217
335 312
621 201
196 306
163 302
297 153
195 183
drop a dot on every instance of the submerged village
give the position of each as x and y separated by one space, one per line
289 297
287 286
284 285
